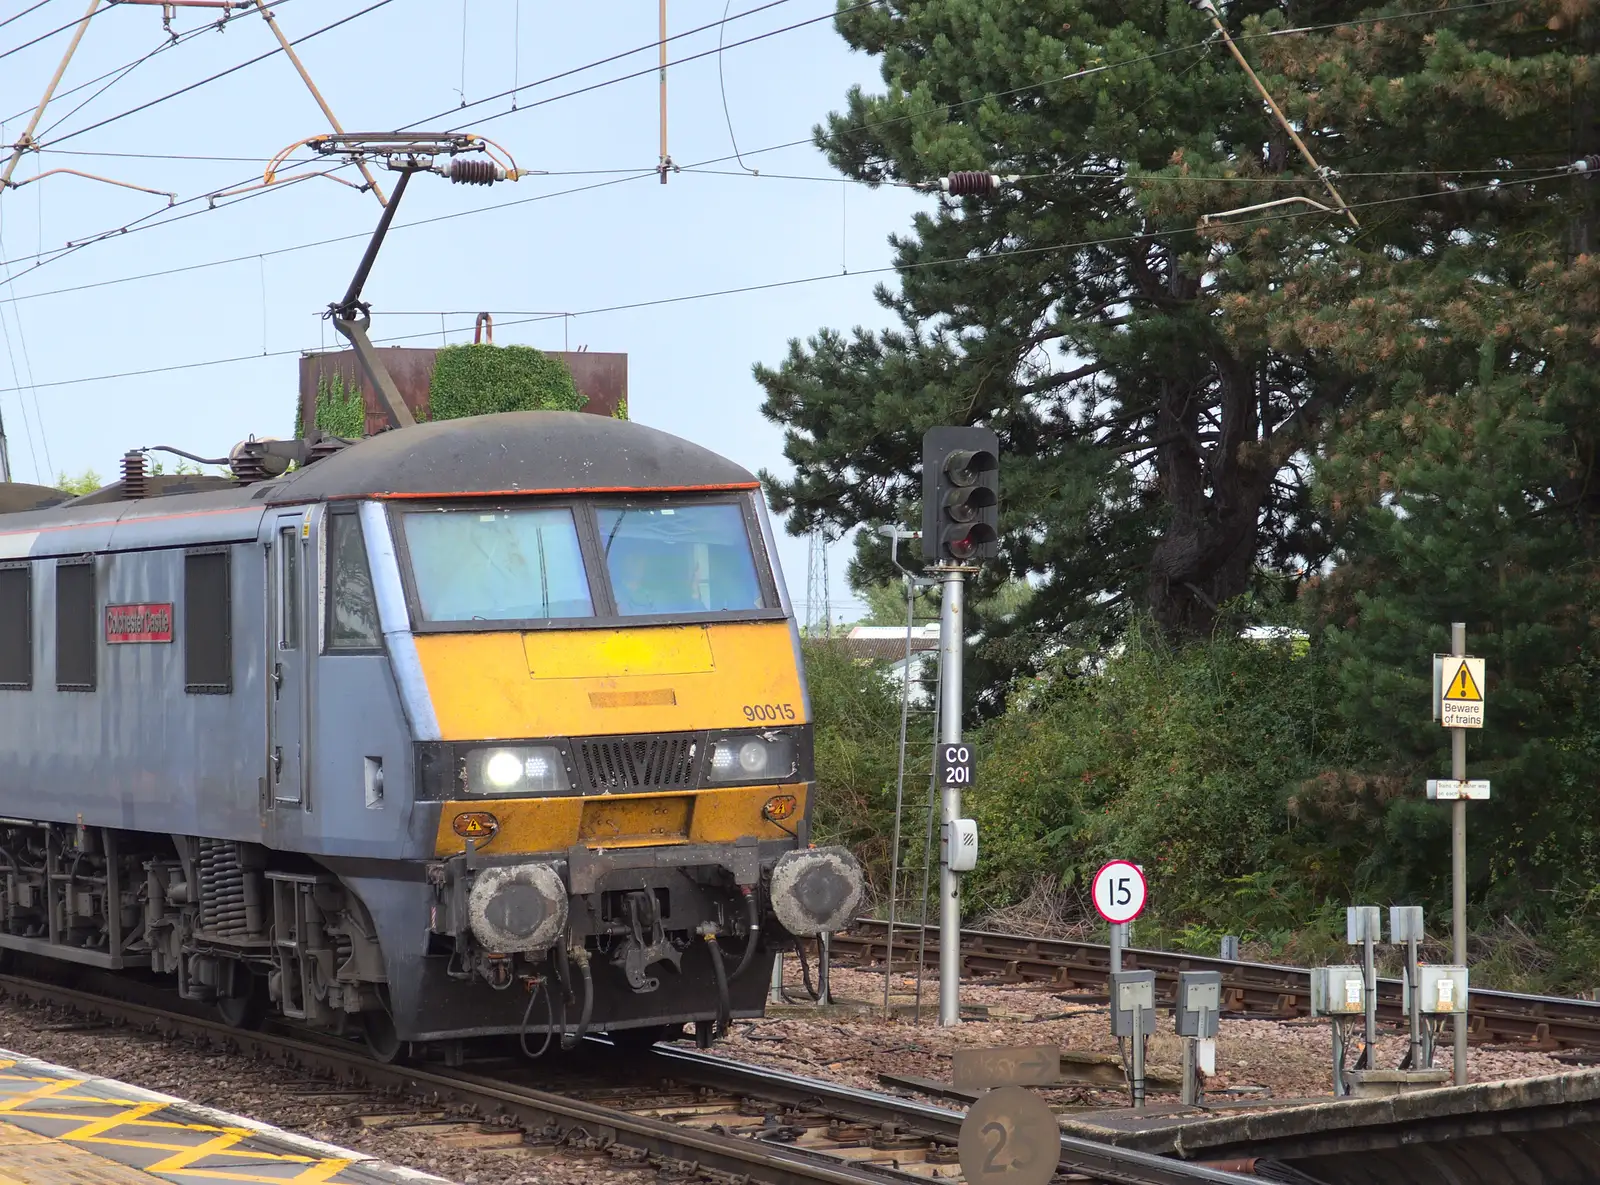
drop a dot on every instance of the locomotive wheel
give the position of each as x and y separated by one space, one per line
248 1010
382 1041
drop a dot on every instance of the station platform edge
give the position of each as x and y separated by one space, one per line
62 1127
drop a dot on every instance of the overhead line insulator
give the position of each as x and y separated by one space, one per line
970 184
475 172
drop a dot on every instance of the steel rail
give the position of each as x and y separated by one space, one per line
540 1110
1104 1162
1248 987
534 1109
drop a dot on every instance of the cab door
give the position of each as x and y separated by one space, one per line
286 659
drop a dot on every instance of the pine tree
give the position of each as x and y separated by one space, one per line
1162 391
1463 483
1151 447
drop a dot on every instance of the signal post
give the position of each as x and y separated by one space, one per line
960 519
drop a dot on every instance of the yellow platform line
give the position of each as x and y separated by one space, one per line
169 1124
323 1171
49 1088
134 1113
135 1121
105 1123
187 1156
247 1153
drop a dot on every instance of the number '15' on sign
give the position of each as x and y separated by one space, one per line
1119 891
955 765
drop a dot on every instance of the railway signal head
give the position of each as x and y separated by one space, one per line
960 495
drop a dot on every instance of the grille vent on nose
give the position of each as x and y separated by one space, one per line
620 765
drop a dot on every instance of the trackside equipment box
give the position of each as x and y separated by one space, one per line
1338 991
1199 1007
1443 990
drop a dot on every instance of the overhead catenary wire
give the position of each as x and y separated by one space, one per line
72 24
722 84
284 46
34 7
19 387
261 57
1085 72
598 62
741 290
152 221
638 173
329 241
22 407
694 57
129 227
170 43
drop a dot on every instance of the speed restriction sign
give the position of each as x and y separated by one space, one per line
1119 892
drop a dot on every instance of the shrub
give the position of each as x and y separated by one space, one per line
477 380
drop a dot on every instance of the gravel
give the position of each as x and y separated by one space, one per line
1290 1059
268 1092
1279 1059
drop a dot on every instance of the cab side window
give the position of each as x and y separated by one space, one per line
352 607
77 626
16 627
207 623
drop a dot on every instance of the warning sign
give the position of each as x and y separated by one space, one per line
1461 692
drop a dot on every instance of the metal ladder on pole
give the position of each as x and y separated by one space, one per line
922 706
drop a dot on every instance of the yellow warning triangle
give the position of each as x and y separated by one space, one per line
1462 687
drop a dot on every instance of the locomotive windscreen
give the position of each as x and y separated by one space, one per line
679 559
497 565
667 557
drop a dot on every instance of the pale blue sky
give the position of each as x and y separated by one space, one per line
635 240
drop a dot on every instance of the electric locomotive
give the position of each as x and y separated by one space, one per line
472 729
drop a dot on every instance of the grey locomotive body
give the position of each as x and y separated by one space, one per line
242 744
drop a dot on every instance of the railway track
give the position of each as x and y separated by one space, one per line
687 1113
1257 989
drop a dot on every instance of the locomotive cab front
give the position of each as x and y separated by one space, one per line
612 761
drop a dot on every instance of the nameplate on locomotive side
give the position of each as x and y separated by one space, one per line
138 623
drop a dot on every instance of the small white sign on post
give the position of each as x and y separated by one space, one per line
1460 686
1119 892
1450 789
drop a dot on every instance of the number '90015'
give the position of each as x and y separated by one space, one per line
769 712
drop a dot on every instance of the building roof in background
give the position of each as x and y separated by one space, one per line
887 642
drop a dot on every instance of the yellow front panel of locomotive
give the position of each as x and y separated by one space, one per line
562 683
620 820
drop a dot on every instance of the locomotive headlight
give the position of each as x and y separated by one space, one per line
502 771
753 757
516 769
748 757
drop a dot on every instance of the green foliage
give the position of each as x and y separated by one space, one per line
1142 438
180 468
340 410
622 410
1160 393
886 603
1222 766
1485 518
1400 419
86 482
857 727
476 380
1186 760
